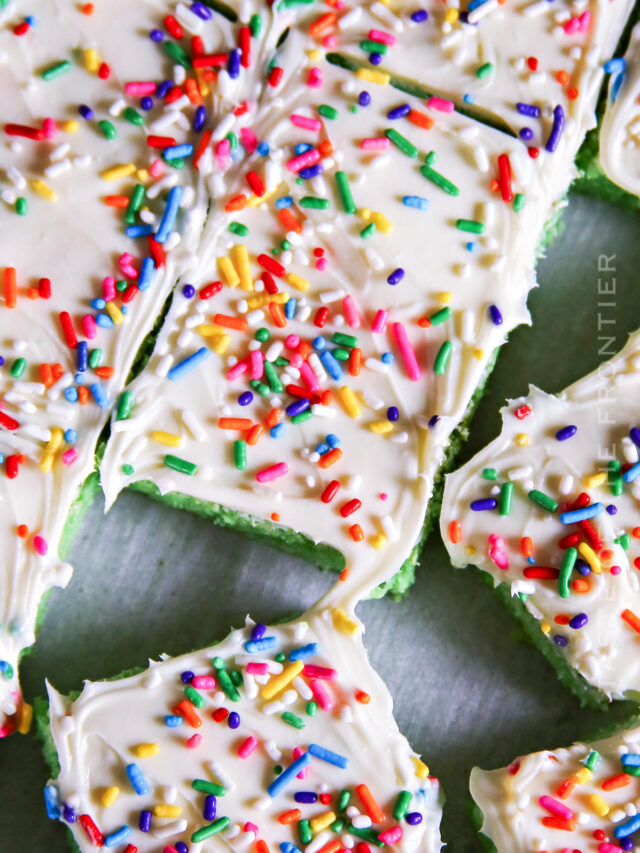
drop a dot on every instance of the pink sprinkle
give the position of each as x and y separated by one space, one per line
375 143
379 321
384 496
247 746
257 364
291 341
49 128
330 41
257 668
251 827
320 694
322 264
556 807
222 153
315 78
296 360
297 752
306 123
126 265
309 158
139 88
406 351
203 682
391 836
351 312
385 38
606 847
156 168
194 742
109 288
615 570
441 104
274 472
238 369
89 328
499 558
169 849
308 377
585 21
248 139
69 456
311 670
40 545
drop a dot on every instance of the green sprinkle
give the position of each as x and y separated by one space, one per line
95 357
485 70
344 340
371 46
181 465
616 483
293 4
238 228
281 361
304 831
7 672
213 829
506 494
327 111
353 108
568 562
543 500
175 52
18 367
240 454
345 192
260 387
229 688
401 142
314 203
470 225
135 203
56 70
178 163
431 159
312 708
22 207
128 470
625 541
592 760
489 474
206 787
233 139
255 26
280 657
218 663
132 116
285 245
439 180
518 201
401 807
368 231
631 770
108 130
337 825
262 334
369 835
193 696
341 354
293 720
442 358
121 286
272 378
236 677
125 404
343 799
302 417
277 769
440 316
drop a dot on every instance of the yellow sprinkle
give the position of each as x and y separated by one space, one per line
220 343
348 400
379 541
582 776
322 821
262 299
314 54
446 296
478 354
228 272
25 716
91 60
278 682
451 16
545 627
587 553
115 313
598 805
69 126
373 76
166 438
470 550
165 810
117 172
522 439
146 750
241 263
297 281
257 200
55 441
142 175
343 622
382 223
381 427
365 213
44 190
595 480
422 771
109 796
204 87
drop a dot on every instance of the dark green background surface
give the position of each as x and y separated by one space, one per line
467 689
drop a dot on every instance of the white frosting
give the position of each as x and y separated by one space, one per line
527 453
97 735
620 130
514 815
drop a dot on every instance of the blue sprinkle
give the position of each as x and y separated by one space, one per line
298 407
399 112
387 358
188 291
233 63
528 110
396 276
277 431
561 641
332 440
79 379
322 448
471 246
98 304
433 420
288 774
419 16
245 398
104 321
311 171
137 779
68 814
613 65
30 19
468 99
494 315
51 802
634 435
302 148
263 149
304 652
628 827
83 355
566 432
117 837
156 35
85 111
288 847
233 720
70 435
319 343
305 797
139 230
364 99
146 103
187 676
631 473
177 152
210 807
631 759
331 365
71 394
260 645
201 11
612 509
616 83
328 756
415 201
290 308
170 213
199 118
164 88
99 395
188 364
582 567
146 272
525 133
173 721
285 201
144 821
181 847
483 504
392 413
375 58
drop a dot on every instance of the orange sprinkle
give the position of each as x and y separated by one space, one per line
83 395
331 846
33 293
424 322
46 374
421 119
227 322
254 434
120 201
104 372
289 817
262 847
630 618
324 22
356 533
562 619
613 782
581 585
363 697
565 788
355 360
304 348
636 532
188 712
455 532
559 823
238 202
526 546
57 370
325 148
606 554
278 315
10 288
562 77
572 93
494 185
370 806
329 458
87 9
193 91
273 418
22 531
275 516
242 424
344 575
289 220
326 398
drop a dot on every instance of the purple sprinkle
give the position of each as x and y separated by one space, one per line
186 677
245 398
311 171
234 720
399 112
528 110
1 360
375 58
164 88
68 814
233 63
566 432
144 822
364 99
419 16
634 435
396 276
258 631
494 315
526 134
199 119
146 103
561 641
583 568
612 509
578 621
201 11
210 805
626 843
181 847
483 503
188 291
414 818
305 797
433 420
556 129
156 35
392 413
85 112
298 407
